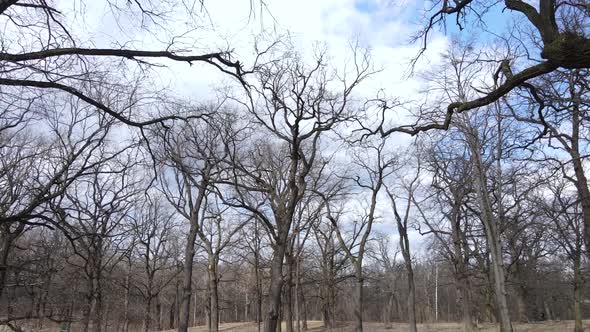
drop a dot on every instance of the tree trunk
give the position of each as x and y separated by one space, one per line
358 299
521 304
126 304
304 311
492 235
276 286
411 297
187 277
7 237
213 319
288 312
578 285
147 313
171 314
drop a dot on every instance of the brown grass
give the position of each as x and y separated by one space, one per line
316 326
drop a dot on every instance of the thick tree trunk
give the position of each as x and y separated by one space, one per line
276 287
411 297
584 195
148 313
358 300
187 277
7 237
288 288
213 319
405 248
465 294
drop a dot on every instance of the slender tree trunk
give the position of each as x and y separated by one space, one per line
304 310
257 276
578 284
492 234
461 273
171 315
246 306
126 303
521 304
548 313
159 313
581 181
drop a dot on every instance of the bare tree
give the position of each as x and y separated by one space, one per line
37 168
452 184
92 212
153 226
376 164
190 155
294 103
402 216
564 210
559 36
49 56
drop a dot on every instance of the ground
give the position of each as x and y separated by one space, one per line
316 326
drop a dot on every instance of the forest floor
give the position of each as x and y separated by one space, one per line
316 326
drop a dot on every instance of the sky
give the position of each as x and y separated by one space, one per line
383 26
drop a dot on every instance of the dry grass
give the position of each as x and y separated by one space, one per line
316 326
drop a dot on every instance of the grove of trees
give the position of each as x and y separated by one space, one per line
292 194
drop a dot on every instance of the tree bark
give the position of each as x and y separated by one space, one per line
276 286
461 272
187 275
492 237
411 297
578 285
212 278
358 299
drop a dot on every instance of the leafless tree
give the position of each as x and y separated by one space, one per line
190 155
559 37
564 210
42 54
92 212
406 193
152 230
296 105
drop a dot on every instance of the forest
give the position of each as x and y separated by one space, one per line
158 172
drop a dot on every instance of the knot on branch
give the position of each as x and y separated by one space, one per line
569 50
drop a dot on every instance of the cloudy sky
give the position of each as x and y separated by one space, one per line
383 26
